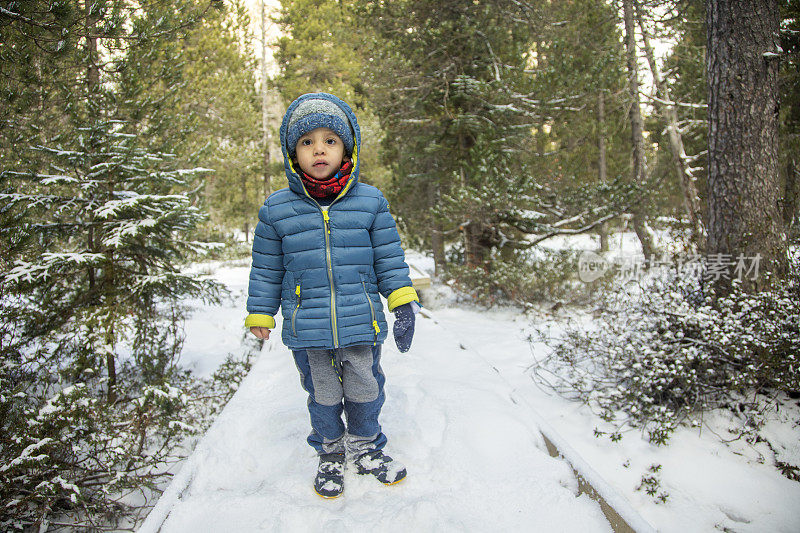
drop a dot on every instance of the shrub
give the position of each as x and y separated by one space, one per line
523 277
668 351
72 458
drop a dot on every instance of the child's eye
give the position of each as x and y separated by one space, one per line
306 142
330 141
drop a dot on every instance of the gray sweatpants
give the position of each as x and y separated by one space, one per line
348 380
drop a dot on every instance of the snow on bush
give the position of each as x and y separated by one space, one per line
664 352
69 457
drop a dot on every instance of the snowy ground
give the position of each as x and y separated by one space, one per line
458 414
711 486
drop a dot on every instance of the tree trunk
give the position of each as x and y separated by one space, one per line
92 69
106 285
691 200
743 185
790 195
437 243
637 129
437 232
111 395
474 228
246 227
603 232
471 246
92 85
264 102
602 167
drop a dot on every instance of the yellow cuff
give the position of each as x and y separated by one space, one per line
259 321
401 296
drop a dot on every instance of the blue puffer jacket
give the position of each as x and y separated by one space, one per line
325 269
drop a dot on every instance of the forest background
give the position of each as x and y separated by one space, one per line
139 136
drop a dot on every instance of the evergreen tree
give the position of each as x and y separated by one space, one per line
480 103
95 219
683 78
446 94
319 49
98 210
206 85
583 139
322 50
790 113
684 25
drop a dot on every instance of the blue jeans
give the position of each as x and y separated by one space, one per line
348 380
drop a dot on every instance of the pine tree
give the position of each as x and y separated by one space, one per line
481 104
97 220
445 92
323 50
680 106
102 208
667 110
790 112
583 139
319 51
207 87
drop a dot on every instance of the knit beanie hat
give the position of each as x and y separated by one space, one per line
318 113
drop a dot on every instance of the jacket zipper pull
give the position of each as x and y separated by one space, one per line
327 218
377 330
297 292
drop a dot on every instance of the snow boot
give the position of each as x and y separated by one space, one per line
387 470
329 482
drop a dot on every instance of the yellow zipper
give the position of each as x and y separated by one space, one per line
297 292
371 313
326 217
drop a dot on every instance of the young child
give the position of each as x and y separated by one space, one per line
324 249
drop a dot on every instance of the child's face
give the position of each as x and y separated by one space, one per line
320 153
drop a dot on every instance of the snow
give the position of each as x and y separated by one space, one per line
26 454
48 179
213 332
192 171
709 484
475 459
66 485
116 235
131 199
466 416
24 270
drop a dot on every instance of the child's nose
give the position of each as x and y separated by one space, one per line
319 148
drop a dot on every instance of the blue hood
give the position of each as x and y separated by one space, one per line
295 183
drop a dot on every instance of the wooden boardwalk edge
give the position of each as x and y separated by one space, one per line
617 522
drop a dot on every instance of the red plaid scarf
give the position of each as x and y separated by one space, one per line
327 187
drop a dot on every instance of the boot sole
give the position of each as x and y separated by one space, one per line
381 482
364 474
330 497
395 482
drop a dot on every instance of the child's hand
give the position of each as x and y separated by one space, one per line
403 327
261 333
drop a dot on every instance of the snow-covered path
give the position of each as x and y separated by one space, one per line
462 412
476 461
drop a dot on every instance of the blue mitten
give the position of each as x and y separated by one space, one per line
403 327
